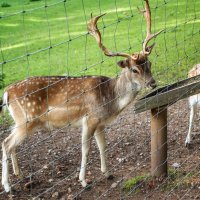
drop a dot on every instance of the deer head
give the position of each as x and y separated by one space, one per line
137 66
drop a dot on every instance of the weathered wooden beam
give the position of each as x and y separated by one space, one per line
169 94
159 142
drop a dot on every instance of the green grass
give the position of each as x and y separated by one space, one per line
175 179
176 50
134 183
34 0
6 120
178 179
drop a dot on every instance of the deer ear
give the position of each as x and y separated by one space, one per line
122 63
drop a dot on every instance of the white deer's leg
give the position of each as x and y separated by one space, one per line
5 168
101 142
15 165
8 145
87 134
192 113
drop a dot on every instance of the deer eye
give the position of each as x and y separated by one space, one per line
134 70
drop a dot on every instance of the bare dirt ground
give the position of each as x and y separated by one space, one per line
50 161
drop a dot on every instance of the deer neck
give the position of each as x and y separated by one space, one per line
125 90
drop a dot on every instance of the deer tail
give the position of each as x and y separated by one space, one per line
3 102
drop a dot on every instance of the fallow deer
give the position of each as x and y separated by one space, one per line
194 103
89 101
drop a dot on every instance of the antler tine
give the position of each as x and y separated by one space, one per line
149 36
94 31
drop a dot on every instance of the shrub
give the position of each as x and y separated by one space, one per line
4 5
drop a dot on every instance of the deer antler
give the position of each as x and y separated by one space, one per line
94 31
149 36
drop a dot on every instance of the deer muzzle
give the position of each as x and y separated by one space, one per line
152 83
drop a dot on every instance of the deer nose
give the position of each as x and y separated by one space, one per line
152 83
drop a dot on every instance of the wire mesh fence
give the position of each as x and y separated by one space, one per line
50 39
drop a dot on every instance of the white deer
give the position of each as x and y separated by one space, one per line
90 102
194 103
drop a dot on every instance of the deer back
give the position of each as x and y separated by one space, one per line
60 99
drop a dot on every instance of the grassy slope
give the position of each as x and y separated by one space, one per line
176 50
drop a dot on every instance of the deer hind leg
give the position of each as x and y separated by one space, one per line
192 113
88 129
8 149
101 143
15 164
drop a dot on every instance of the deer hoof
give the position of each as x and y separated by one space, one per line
7 187
188 145
110 177
88 187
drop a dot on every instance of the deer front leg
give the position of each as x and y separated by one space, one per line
101 143
192 113
87 134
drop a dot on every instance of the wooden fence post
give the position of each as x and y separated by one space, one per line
159 142
157 101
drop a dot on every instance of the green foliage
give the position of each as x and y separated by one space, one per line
175 179
178 179
4 5
6 120
132 183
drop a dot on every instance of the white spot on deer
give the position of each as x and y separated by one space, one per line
33 110
29 104
34 103
22 102
39 98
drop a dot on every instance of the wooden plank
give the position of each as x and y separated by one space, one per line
173 86
169 94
